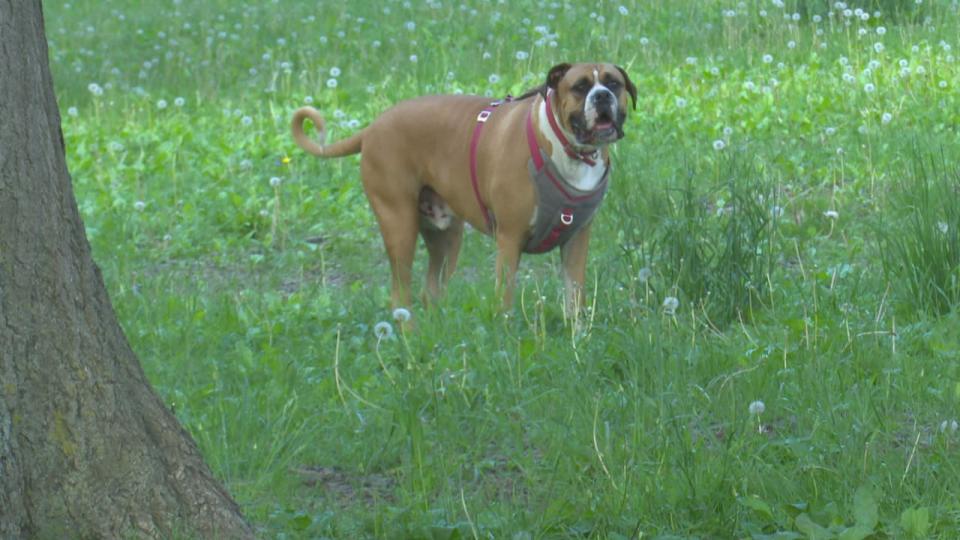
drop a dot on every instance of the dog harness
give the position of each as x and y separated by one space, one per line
561 208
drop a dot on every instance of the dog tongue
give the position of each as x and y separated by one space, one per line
599 126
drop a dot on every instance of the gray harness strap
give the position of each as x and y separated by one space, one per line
561 208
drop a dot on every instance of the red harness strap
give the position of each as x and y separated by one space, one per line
474 143
566 215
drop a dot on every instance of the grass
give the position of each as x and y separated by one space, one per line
790 181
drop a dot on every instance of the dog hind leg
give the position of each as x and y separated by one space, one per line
398 216
444 249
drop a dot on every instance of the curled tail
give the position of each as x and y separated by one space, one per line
350 145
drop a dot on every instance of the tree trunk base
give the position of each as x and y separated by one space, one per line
87 449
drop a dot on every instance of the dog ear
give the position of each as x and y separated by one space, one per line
555 74
631 88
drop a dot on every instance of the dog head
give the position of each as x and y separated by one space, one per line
590 101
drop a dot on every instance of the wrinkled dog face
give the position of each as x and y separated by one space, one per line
591 101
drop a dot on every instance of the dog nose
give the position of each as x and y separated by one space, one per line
604 97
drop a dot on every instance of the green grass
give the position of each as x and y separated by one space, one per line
814 259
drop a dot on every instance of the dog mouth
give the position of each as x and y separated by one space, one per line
604 126
604 129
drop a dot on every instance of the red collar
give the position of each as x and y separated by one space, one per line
585 157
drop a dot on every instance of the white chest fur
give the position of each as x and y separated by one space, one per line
575 172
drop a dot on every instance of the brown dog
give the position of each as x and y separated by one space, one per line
529 171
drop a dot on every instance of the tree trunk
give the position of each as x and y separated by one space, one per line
87 449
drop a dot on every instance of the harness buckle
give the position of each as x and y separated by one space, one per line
566 217
484 115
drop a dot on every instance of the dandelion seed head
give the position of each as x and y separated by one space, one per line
756 408
383 330
401 315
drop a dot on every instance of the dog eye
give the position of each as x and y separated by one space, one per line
582 86
613 85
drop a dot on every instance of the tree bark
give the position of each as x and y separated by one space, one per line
87 449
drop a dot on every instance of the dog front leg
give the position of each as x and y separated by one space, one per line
508 259
573 256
